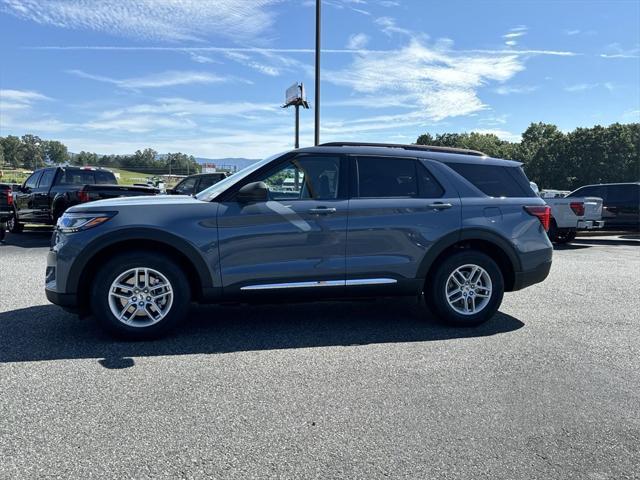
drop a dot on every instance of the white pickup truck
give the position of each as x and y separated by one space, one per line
568 215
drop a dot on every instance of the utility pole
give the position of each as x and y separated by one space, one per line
317 79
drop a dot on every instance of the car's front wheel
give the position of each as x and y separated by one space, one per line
13 225
138 295
466 289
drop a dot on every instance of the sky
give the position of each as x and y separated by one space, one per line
208 78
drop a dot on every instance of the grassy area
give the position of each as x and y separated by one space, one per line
125 177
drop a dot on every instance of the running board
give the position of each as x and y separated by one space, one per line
322 283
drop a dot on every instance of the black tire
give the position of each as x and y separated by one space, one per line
436 289
553 231
13 225
119 264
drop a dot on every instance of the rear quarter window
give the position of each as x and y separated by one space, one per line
77 177
105 178
495 180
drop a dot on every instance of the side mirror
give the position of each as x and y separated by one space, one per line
253 192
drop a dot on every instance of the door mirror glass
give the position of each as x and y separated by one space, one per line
253 192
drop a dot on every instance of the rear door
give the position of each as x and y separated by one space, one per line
397 210
623 205
296 240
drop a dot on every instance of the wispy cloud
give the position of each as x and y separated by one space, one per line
615 50
501 134
19 99
246 60
580 87
357 41
440 83
513 34
389 27
201 58
183 20
158 80
510 89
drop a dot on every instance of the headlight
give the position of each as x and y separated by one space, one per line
77 222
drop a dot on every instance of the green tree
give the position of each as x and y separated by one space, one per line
85 159
12 148
56 152
32 151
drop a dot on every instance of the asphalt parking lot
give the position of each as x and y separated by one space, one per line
550 388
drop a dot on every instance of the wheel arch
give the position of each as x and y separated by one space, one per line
486 241
95 253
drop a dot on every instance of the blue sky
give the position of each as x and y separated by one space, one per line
208 77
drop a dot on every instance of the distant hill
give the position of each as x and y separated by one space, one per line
237 163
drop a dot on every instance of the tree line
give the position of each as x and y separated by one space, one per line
557 160
32 152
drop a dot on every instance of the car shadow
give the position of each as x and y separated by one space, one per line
29 238
46 332
569 246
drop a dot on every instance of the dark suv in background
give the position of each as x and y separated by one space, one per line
620 204
337 220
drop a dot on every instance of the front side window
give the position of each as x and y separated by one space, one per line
186 186
305 178
380 177
47 178
208 180
32 181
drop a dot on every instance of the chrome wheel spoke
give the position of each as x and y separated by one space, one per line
468 289
140 297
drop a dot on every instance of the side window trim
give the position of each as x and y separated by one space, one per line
44 174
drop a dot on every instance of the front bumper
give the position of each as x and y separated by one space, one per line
54 284
590 224
63 299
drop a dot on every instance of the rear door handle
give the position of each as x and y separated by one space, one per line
439 206
322 211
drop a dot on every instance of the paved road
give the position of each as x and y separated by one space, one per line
550 388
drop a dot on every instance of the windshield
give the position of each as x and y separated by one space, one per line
216 189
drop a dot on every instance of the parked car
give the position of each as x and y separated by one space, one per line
196 183
362 220
6 207
569 215
48 192
621 204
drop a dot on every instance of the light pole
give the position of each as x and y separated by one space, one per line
317 79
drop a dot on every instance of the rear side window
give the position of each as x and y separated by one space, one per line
105 178
593 191
208 180
495 180
77 177
387 177
624 194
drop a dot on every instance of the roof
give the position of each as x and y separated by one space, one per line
444 155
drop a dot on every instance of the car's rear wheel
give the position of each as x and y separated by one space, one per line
13 225
138 295
466 288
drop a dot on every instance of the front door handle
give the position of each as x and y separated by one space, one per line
322 211
439 206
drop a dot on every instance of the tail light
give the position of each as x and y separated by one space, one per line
578 208
82 196
9 197
543 212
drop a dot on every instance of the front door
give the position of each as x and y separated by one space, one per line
24 198
297 239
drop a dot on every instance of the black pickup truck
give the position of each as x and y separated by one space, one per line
48 192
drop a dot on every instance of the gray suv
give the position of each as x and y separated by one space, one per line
336 220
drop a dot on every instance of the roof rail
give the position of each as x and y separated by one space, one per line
424 148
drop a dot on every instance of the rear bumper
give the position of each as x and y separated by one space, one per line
590 224
529 277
